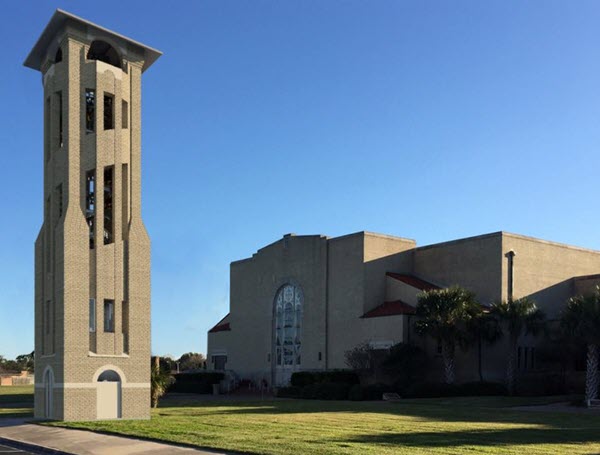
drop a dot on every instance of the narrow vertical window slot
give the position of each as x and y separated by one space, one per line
124 115
47 128
59 202
90 110
125 326
90 203
124 200
92 315
108 204
59 100
109 316
47 317
109 111
48 223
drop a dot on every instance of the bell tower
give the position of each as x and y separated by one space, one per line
92 255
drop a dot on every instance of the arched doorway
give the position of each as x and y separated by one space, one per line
287 339
108 395
49 393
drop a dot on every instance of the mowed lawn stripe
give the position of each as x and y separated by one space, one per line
449 426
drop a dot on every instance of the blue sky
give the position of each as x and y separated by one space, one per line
429 120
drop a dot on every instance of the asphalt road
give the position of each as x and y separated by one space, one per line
6 450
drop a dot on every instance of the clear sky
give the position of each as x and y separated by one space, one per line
432 120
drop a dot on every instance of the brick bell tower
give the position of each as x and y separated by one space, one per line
92 255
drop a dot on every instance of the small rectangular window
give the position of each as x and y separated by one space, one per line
109 112
92 315
109 315
90 110
124 115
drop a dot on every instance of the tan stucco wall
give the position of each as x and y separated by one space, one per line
354 281
474 263
544 270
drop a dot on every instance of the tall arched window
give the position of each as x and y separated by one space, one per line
288 326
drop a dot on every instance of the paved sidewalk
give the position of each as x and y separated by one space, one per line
79 442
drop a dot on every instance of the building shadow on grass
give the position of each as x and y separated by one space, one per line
19 398
499 437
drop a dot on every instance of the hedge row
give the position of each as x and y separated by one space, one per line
334 391
341 391
306 378
195 382
434 390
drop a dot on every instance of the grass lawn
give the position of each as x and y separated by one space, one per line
442 426
16 401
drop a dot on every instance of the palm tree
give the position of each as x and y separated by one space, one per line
581 319
444 314
520 316
485 329
159 382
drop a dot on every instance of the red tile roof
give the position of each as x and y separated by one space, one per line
221 326
413 281
393 308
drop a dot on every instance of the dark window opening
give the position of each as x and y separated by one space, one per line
101 50
219 361
59 201
109 315
108 205
320 356
525 358
58 56
124 200
124 115
47 315
109 112
125 325
59 102
90 202
90 109
92 315
47 128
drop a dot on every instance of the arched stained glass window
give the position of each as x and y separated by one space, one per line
288 325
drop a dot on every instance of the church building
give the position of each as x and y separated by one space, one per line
302 302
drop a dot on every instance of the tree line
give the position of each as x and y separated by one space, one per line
455 318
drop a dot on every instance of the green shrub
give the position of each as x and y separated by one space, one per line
406 363
429 390
305 378
289 392
375 391
309 392
481 389
438 389
332 391
302 379
195 382
356 393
